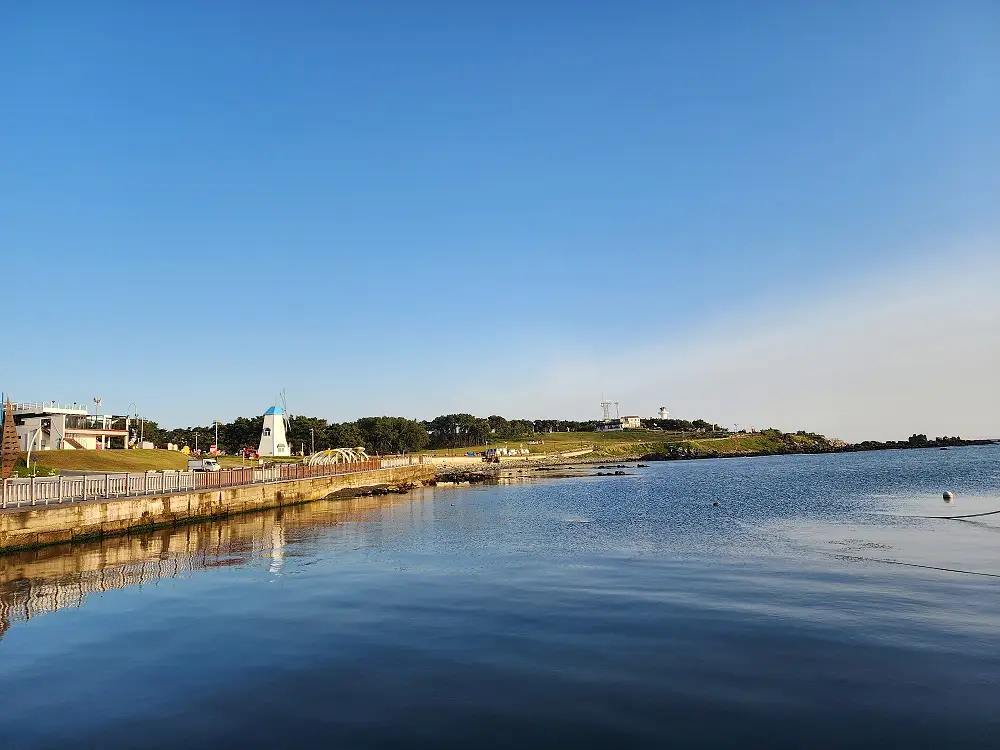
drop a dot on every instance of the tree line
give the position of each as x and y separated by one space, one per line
382 435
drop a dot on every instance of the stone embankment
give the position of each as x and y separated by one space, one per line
471 472
24 528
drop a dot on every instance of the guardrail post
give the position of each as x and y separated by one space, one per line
107 487
5 483
32 490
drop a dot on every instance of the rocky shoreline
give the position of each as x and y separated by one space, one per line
520 469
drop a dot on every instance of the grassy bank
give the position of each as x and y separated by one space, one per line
769 443
564 442
111 460
619 445
132 460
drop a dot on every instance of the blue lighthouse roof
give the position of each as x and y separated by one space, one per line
274 410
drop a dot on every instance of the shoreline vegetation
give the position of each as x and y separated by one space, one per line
533 449
455 470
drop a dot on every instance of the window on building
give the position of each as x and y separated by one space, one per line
267 432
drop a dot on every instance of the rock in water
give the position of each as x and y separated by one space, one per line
947 496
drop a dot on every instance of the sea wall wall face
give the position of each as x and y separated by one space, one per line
41 525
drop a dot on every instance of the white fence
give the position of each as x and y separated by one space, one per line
75 489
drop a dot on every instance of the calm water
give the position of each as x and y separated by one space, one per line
805 610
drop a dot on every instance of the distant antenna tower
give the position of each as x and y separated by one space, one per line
606 406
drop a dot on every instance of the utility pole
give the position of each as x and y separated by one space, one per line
312 440
132 408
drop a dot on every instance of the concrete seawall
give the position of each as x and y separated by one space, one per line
25 528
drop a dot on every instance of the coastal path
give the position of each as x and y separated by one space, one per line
34 491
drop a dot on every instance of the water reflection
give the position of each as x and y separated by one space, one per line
37 582
795 598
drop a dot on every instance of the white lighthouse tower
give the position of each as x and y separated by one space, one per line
272 436
663 412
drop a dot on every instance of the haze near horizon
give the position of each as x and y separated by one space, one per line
769 215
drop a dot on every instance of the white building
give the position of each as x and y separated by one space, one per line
272 436
622 423
52 426
663 413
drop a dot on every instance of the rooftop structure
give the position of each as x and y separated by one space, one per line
55 426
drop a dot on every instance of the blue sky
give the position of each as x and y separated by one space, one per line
415 208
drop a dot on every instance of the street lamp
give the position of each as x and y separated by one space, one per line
312 440
128 410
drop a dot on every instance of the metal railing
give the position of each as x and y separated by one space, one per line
39 406
74 489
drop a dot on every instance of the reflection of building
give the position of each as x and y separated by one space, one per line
53 426
32 584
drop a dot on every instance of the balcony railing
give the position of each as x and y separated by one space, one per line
95 423
38 406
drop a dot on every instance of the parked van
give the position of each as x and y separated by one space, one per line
204 464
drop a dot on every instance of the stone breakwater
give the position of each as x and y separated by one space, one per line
25 528
484 473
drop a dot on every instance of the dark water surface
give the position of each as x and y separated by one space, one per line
806 610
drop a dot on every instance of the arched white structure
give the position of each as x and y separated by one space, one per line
337 456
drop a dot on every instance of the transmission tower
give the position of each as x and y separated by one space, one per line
606 407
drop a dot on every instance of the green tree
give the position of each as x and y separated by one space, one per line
345 435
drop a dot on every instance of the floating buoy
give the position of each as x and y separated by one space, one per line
715 504
947 496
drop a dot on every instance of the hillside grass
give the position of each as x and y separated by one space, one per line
563 442
111 460
737 444
675 445
622 445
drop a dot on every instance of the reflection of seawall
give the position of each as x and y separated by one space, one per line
23 528
37 582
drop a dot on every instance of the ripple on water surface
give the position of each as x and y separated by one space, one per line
783 601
